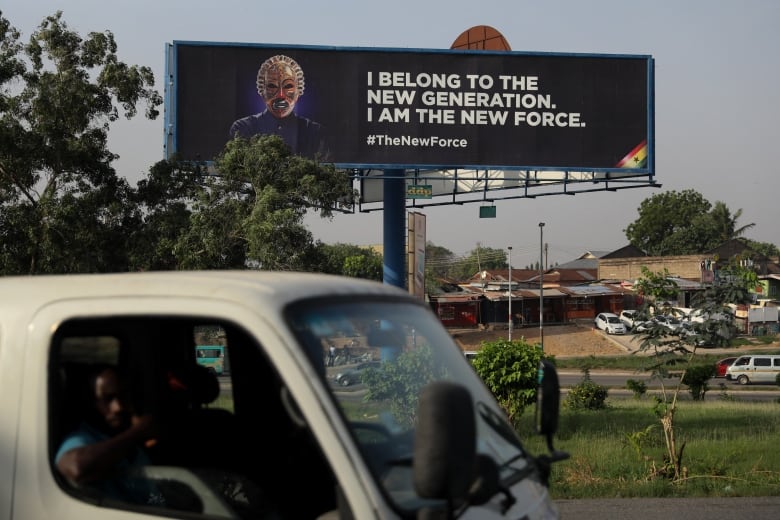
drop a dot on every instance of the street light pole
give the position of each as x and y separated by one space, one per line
510 293
541 286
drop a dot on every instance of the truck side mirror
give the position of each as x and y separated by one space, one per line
445 443
548 404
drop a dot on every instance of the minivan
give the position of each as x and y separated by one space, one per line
754 369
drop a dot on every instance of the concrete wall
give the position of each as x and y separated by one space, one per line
688 266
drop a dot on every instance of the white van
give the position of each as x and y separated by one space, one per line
273 437
754 369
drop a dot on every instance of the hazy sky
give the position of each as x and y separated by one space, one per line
716 104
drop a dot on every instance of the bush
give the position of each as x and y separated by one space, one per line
510 370
696 377
587 395
638 387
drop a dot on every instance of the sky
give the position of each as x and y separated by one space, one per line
717 113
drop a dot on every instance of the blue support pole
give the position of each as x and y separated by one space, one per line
394 194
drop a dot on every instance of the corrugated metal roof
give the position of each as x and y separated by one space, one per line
456 298
589 290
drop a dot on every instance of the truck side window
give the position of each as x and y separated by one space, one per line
226 446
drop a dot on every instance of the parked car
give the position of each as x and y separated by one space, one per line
671 323
470 355
628 317
722 364
609 323
354 375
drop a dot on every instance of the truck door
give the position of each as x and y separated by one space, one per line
229 446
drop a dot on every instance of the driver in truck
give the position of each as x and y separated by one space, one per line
108 444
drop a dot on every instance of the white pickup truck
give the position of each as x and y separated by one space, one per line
274 436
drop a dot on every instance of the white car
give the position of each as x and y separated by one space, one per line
609 323
628 317
672 323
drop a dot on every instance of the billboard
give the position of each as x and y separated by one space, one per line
415 108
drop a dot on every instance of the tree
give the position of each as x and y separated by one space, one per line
479 259
164 200
726 224
670 223
669 350
63 208
438 261
683 223
764 249
351 260
251 214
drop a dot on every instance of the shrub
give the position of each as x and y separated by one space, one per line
587 395
639 388
510 370
696 377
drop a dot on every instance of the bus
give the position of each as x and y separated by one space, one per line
211 357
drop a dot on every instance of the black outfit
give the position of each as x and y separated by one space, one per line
304 136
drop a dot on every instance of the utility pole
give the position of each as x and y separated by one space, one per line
510 293
541 285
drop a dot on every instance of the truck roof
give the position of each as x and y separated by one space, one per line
272 287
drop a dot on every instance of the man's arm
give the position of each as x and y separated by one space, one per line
95 461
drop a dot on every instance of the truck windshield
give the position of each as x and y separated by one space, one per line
377 357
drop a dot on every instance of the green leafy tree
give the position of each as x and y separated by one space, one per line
683 223
164 200
510 370
351 260
478 259
726 223
670 223
438 261
764 249
252 213
62 206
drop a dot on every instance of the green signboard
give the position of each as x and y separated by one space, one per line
419 191
487 212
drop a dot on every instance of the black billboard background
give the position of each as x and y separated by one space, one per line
215 84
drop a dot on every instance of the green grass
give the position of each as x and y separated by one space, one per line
640 362
731 449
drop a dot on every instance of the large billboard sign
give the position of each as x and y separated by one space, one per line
415 109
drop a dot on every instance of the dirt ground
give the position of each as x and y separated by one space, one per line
559 340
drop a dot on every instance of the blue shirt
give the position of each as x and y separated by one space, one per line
122 486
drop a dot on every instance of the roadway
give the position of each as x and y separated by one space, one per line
615 380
